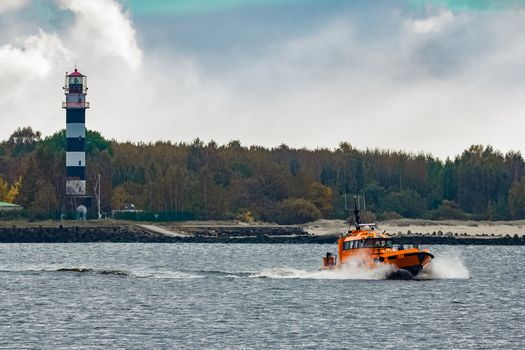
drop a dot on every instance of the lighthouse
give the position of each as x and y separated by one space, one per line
75 105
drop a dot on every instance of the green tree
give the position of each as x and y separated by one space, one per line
517 200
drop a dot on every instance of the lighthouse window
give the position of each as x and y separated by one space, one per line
79 163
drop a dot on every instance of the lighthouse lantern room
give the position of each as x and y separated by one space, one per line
75 105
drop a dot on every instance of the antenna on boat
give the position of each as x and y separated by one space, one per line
357 219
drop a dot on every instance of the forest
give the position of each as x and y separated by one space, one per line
283 185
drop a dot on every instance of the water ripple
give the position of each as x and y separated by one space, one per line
202 296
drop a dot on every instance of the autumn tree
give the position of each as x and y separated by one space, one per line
9 192
44 204
213 181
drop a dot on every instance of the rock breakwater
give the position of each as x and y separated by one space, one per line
130 233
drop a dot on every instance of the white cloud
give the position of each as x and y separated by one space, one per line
29 58
102 28
7 5
433 23
438 93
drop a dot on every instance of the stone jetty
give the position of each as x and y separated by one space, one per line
202 233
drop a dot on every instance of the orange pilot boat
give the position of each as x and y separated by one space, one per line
371 249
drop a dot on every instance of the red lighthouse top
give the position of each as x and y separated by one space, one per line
76 73
75 88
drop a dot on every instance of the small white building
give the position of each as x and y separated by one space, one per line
9 206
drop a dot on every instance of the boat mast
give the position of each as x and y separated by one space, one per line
357 219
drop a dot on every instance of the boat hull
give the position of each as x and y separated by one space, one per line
412 262
407 264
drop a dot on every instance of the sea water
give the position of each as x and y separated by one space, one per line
254 296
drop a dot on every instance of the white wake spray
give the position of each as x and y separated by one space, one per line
445 267
442 267
353 268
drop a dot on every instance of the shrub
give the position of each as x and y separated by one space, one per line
12 215
448 210
407 202
245 216
368 217
296 211
390 215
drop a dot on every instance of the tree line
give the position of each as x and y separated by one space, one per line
280 184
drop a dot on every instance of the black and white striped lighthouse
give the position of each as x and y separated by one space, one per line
75 105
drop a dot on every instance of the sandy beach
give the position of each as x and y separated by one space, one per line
412 226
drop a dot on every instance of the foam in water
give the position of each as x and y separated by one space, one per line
352 269
221 274
165 274
445 267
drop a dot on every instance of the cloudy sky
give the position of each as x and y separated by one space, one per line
433 76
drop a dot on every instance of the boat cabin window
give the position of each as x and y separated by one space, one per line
378 243
352 245
368 243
